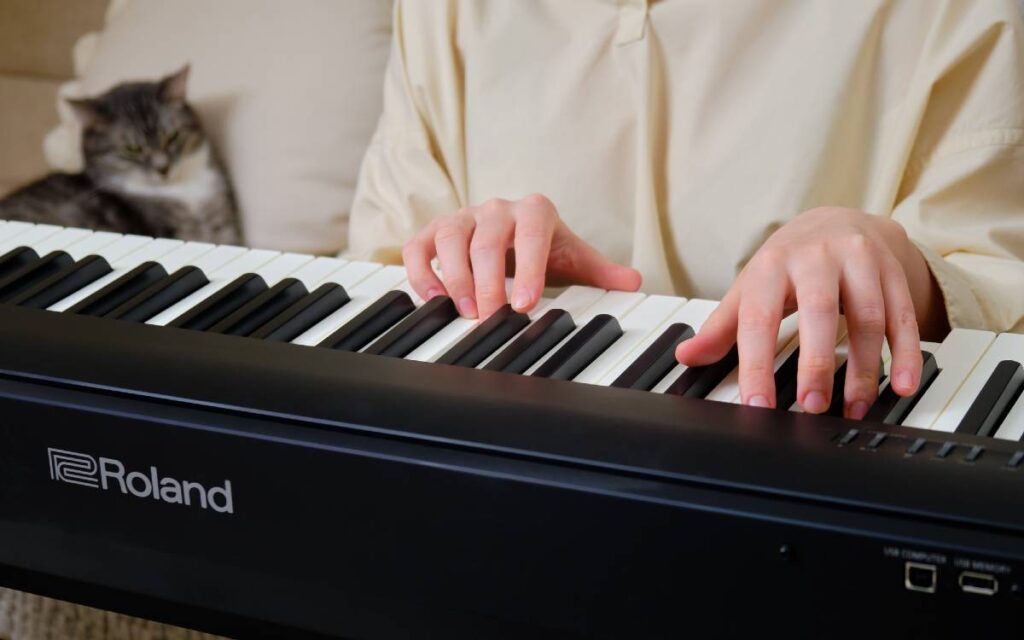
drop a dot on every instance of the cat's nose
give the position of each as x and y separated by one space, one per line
160 163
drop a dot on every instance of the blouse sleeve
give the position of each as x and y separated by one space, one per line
413 169
962 195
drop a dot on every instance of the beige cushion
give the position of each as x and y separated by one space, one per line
289 91
26 105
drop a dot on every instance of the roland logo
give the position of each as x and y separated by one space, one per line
109 474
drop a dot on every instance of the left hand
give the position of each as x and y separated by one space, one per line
820 260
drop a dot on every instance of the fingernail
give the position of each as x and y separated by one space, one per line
758 401
520 300
433 292
858 410
814 402
467 307
905 379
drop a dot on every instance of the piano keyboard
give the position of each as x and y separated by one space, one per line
972 383
304 441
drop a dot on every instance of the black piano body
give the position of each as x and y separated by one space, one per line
340 494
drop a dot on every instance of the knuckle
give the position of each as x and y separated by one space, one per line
906 320
769 257
483 247
869 319
490 291
450 228
818 302
817 364
756 318
859 243
756 370
494 206
538 200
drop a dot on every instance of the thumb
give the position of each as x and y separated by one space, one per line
574 260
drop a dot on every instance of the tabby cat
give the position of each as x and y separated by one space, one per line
149 169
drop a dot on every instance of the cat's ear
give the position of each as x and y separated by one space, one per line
172 88
87 110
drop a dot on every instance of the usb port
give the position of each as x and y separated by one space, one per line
918 576
981 583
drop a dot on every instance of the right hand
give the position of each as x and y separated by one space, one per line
472 246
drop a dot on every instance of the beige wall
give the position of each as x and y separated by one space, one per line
36 37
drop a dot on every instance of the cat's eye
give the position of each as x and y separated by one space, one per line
132 150
171 138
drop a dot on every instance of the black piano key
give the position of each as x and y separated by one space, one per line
261 309
1001 389
539 338
33 273
63 283
415 329
892 408
835 408
221 304
656 360
160 295
581 349
370 322
486 338
785 381
697 382
119 291
17 258
303 314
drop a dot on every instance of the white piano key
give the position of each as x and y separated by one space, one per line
212 261
316 271
614 303
183 255
385 279
30 237
122 248
353 273
728 390
956 357
13 228
646 320
437 344
693 313
91 244
282 266
1006 346
1013 424
146 250
248 262
61 240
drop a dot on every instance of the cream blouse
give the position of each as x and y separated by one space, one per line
676 135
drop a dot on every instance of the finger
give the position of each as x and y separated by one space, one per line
817 300
416 255
491 239
535 226
452 244
901 329
716 336
865 322
760 313
574 260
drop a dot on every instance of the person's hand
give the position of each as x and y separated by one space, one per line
820 260
472 244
